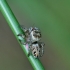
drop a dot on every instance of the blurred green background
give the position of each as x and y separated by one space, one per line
53 19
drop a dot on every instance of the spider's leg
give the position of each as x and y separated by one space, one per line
24 43
42 49
19 35
20 40
23 36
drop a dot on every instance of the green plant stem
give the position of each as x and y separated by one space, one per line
15 27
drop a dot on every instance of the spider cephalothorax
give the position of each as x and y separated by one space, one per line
32 34
35 34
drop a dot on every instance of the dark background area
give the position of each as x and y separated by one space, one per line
53 19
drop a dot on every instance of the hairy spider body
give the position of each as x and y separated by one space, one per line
32 37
